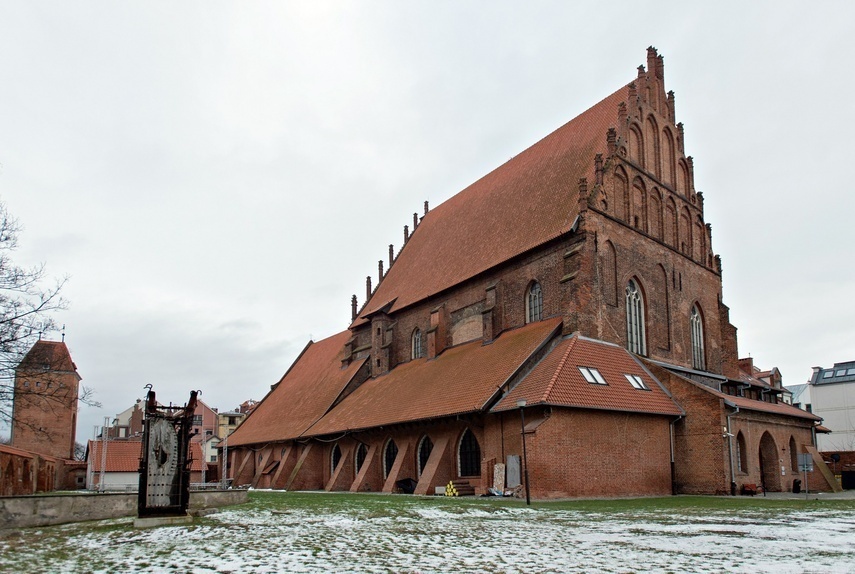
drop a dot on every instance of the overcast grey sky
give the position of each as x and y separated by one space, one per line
217 178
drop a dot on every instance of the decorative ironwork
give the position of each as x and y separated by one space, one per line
165 463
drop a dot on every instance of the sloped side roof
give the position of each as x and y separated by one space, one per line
53 355
460 380
746 403
773 408
302 396
557 381
122 455
526 202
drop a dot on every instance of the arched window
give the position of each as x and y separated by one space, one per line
425 448
534 303
697 328
469 455
794 455
635 341
361 453
335 457
390 453
741 453
416 351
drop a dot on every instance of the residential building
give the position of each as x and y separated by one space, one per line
830 394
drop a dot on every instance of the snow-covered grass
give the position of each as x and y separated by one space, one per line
331 533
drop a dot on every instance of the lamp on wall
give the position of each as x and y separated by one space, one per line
521 405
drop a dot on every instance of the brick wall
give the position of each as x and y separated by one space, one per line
45 412
595 453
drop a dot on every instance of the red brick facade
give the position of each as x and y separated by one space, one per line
45 402
604 203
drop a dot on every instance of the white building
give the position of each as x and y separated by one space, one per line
830 394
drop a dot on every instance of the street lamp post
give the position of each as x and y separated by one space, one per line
521 405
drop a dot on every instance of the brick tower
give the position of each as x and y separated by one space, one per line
45 401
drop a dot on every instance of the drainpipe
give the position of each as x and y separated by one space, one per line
673 470
730 452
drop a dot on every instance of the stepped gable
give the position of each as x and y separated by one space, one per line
522 204
463 379
557 381
51 355
307 391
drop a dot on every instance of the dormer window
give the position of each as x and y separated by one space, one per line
592 375
637 382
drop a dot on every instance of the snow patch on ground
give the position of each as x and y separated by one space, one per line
423 537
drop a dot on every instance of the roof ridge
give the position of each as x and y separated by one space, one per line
560 368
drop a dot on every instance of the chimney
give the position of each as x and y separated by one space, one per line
368 288
391 255
380 271
426 207
406 234
353 308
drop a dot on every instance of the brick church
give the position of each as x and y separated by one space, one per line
573 290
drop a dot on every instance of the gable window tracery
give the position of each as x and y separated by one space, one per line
696 324
635 335
534 303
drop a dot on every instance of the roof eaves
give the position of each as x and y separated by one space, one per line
498 394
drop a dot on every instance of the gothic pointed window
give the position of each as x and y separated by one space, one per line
741 453
425 448
534 303
361 454
416 346
335 458
469 455
697 328
390 453
635 337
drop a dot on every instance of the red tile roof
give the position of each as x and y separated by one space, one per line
746 403
124 456
303 395
557 381
763 406
522 204
48 354
463 379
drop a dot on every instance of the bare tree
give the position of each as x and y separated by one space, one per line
27 310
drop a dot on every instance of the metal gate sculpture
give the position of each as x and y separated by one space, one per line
165 464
